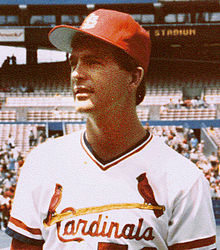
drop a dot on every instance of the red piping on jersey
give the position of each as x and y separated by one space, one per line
194 244
20 224
115 162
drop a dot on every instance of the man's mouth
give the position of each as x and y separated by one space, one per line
82 92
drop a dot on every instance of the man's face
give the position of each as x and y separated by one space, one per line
98 83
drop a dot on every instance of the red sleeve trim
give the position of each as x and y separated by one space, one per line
20 224
194 244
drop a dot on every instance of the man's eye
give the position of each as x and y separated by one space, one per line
72 63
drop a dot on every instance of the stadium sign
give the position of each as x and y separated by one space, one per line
175 32
12 35
183 33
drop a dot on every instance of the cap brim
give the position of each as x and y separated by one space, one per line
62 36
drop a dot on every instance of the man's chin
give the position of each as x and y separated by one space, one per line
83 108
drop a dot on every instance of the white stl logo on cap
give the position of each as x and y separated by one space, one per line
90 22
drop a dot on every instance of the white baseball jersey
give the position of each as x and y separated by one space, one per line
151 197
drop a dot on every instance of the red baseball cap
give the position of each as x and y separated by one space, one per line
116 28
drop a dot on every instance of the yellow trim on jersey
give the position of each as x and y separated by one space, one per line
91 210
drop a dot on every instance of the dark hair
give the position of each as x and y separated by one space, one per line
125 61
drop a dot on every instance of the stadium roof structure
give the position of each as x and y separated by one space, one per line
65 2
182 28
90 2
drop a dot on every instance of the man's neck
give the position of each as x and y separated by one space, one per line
112 136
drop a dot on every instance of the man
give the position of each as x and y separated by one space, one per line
114 185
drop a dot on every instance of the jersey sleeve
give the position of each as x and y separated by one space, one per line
25 221
192 224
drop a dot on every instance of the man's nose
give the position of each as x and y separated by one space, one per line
74 74
77 73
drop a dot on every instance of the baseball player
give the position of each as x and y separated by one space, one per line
112 185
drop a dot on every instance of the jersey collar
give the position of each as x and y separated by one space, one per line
104 165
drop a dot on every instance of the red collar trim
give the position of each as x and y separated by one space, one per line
116 161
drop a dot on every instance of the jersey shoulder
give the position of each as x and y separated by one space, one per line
51 145
178 169
45 155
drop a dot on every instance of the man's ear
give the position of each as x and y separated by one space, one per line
137 76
